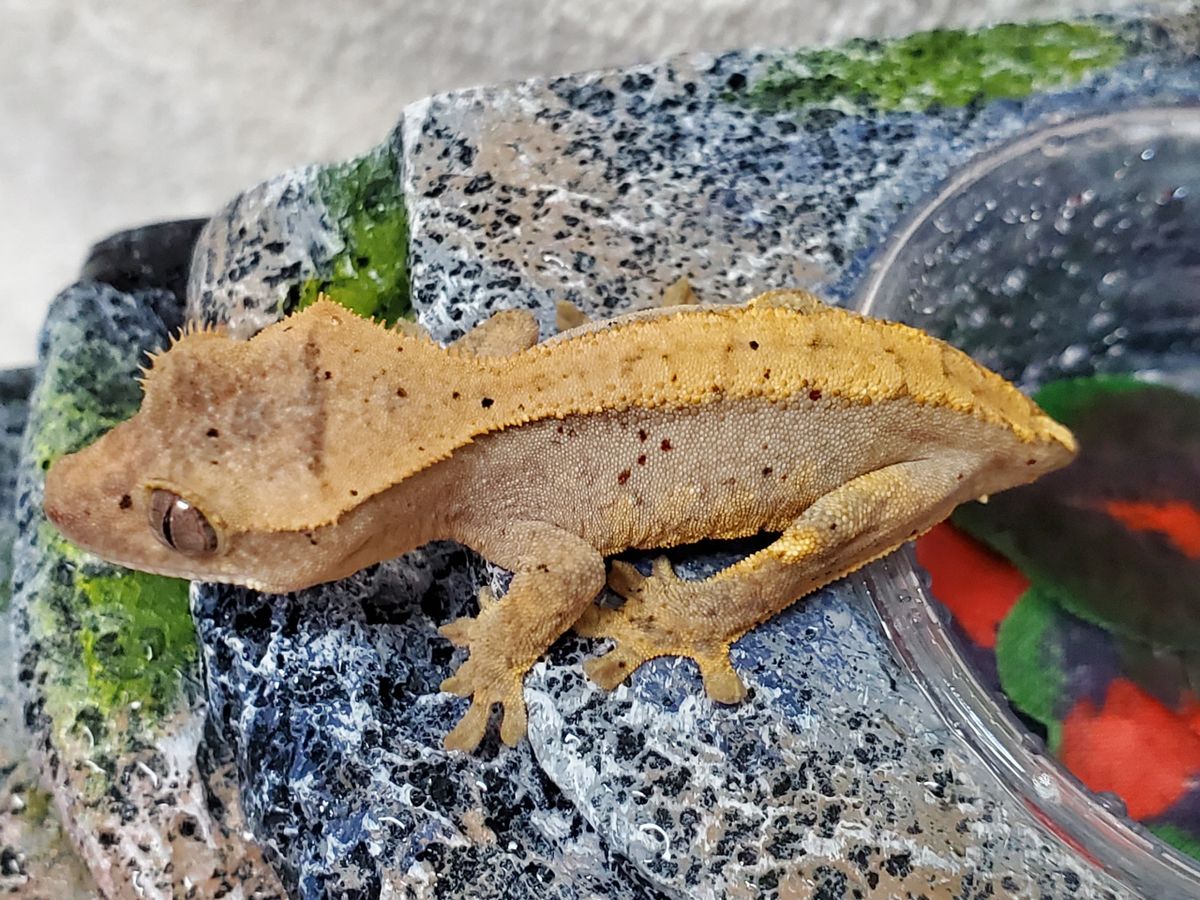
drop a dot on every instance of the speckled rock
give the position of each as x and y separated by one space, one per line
837 777
107 658
276 247
36 860
331 699
15 386
604 188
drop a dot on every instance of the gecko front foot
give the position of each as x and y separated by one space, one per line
489 676
655 620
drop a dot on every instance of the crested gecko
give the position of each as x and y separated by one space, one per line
328 442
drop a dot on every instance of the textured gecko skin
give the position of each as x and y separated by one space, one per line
327 443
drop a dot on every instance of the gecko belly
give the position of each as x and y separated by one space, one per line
647 478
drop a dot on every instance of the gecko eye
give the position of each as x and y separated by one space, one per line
180 525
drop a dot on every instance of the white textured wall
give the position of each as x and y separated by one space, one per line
118 113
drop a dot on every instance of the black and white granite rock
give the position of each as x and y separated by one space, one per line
280 244
837 778
331 699
35 855
113 712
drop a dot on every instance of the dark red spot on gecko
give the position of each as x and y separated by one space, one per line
486 402
766 374
767 470
1031 462
455 395
353 493
642 460
401 392
623 476
126 501
814 395
559 429
754 345
642 435
666 444
212 432
328 375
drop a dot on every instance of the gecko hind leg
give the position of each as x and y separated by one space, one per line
853 524
654 622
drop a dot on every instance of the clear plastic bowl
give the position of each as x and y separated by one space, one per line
1071 251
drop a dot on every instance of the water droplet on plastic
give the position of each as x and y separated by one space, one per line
1073 356
1112 803
1114 283
1015 281
1054 147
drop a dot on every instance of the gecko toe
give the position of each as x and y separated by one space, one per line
457 684
467 734
515 723
613 667
625 580
487 598
487 682
663 570
458 632
594 623
721 682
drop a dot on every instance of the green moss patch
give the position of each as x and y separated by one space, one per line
135 635
939 68
114 646
370 276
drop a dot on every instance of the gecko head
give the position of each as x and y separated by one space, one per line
1040 446
178 489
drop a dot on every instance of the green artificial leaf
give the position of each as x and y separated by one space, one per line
1030 660
1177 837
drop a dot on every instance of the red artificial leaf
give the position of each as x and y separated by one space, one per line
976 584
1133 746
1178 522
